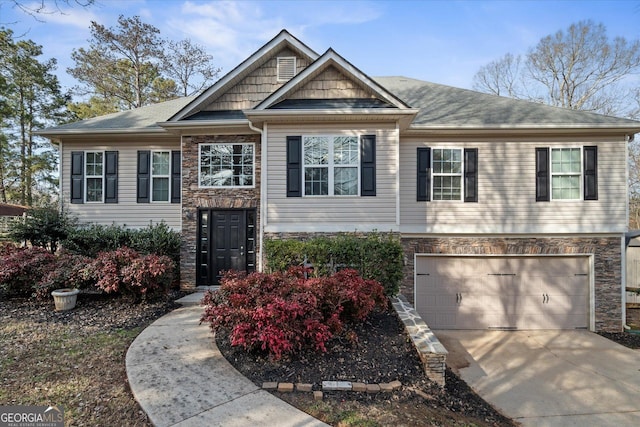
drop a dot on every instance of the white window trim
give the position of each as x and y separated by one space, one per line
285 59
87 176
152 175
434 174
253 163
580 175
330 166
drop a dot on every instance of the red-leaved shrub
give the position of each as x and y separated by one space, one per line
68 271
126 272
22 269
283 313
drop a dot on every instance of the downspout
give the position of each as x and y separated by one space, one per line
398 176
263 189
628 140
60 176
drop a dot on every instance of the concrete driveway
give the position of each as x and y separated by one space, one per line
549 378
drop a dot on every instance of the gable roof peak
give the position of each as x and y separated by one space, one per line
331 58
282 39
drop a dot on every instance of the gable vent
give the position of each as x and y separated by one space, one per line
286 68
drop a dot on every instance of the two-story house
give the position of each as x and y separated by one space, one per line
511 214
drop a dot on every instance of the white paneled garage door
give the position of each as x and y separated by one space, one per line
503 292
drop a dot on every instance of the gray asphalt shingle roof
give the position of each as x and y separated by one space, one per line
450 106
139 119
440 106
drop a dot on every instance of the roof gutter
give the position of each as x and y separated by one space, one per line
521 130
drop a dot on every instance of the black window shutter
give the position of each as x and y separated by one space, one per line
294 166
111 177
77 177
543 192
175 176
144 176
424 174
368 165
591 173
470 174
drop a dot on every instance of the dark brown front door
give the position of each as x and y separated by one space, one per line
226 241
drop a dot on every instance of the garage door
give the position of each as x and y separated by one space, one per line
503 292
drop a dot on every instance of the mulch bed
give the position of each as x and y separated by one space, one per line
93 311
382 353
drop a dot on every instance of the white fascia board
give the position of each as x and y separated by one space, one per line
76 132
388 113
520 129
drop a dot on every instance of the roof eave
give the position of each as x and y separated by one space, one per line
404 116
523 129
74 132
206 126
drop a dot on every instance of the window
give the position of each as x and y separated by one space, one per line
331 165
286 68
160 174
94 176
447 174
566 173
226 165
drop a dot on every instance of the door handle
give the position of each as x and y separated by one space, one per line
241 250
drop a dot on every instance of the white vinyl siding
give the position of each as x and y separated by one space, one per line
127 211
331 213
507 190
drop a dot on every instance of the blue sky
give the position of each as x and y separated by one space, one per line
440 41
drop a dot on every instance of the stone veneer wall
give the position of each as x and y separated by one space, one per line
607 263
194 197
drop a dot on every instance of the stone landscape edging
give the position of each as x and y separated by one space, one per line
431 352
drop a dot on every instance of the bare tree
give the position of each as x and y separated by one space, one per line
500 77
580 68
185 61
44 7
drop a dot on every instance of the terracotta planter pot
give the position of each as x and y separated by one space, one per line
65 299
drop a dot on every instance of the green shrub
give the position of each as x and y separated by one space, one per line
375 256
89 240
43 227
158 239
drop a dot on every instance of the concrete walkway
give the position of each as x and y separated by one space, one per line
550 378
180 378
